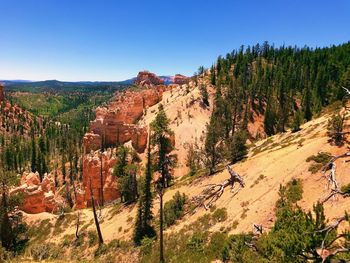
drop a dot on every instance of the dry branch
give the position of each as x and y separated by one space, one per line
213 192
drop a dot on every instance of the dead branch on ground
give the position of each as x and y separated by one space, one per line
213 192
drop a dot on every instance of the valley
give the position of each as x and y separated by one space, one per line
245 161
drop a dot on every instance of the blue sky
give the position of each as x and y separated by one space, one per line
113 40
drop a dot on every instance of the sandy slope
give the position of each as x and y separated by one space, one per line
188 118
279 159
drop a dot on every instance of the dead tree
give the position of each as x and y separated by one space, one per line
100 239
77 226
213 192
331 177
327 249
257 229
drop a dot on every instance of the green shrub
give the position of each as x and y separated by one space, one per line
315 167
197 241
44 251
146 245
321 157
320 160
92 238
346 188
174 209
294 190
220 214
101 250
335 129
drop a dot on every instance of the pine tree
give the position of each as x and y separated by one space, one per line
270 120
211 147
307 104
143 226
33 157
297 121
238 148
161 135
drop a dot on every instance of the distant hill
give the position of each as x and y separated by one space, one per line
63 86
69 86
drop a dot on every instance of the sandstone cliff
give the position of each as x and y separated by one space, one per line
38 196
92 174
146 78
181 79
117 123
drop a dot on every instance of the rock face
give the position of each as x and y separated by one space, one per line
117 123
92 173
181 79
2 93
146 78
38 196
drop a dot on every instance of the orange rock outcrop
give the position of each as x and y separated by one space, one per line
38 196
146 78
181 79
92 173
116 124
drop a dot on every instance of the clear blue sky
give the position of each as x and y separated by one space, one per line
113 40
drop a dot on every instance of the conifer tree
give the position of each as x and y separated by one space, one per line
238 148
143 226
160 138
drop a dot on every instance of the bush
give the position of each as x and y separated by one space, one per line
174 209
294 190
220 214
321 159
146 245
101 250
346 188
92 238
197 241
44 251
335 129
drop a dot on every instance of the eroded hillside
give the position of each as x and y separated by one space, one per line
270 163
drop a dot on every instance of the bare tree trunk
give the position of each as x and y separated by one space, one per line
161 245
77 228
100 239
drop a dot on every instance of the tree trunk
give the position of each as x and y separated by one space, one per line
77 228
161 247
100 239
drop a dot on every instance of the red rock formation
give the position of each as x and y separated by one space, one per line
181 79
2 93
146 78
92 172
38 196
92 141
117 123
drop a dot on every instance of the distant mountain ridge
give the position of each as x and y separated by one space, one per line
71 86
167 80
